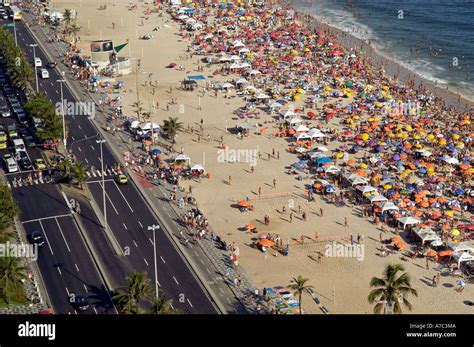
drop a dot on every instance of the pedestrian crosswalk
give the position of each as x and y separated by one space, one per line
99 173
25 182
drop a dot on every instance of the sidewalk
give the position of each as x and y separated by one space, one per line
209 262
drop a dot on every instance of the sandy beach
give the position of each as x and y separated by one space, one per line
342 283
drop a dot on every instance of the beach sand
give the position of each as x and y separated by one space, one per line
342 284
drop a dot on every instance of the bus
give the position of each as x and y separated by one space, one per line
15 13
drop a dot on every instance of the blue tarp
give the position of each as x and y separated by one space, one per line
189 10
323 160
197 77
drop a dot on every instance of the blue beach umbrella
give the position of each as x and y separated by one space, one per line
156 151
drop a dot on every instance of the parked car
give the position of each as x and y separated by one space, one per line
36 237
5 111
10 163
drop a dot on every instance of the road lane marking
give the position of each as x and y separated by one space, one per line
85 287
44 218
52 83
79 126
59 270
107 195
56 91
47 240
67 291
87 161
79 148
162 260
222 290
63 235
171 305
196 253
130 207
41 85
209 272
135 243
189 302
76 267
175 280
145 261
100 181
140 224
93 148
228 301
73 117
95 310
150 241
125 226
201 261
72 138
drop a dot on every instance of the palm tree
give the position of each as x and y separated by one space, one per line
162 305
391 288
67 18
298 284
171 126
138 106
138 288
8 210
65 168
22 76
74 29
79 173
146 115
12 272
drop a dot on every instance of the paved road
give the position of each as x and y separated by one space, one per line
128 215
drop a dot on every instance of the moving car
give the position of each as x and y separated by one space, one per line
79 301
122 179
39 164
36 237
3 144
12 134
38 62
10 163
44 73
24 161
52 64
3 136
5 111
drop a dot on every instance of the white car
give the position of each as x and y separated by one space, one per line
38 62
10 163
44 73
5 111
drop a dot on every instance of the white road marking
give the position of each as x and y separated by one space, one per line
57 91
63 235
209 272
171 305
130 207
162 259
72 138
41 85
79 126
52 83
59 271
88 174
195 252
175 280
93 148
150 241
73 117
189 302
135 243
67 291
40 219
85 288
77 268
222 290
107 195
47 240
87 161
145 261
95 310
75 312
228 301
99 181
141 225
125 226
201 261
79 148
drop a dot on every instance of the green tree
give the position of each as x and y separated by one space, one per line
65 167
52 127
162 305
37 106
79 173
299 286
391 288
138 109
23 75
67 18
138 289
74 29
8 208
12 272
171 126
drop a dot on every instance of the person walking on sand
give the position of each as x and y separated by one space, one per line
304 216
259 191
291 217
321 212
427 264
230 180
252 168
274 183
113 25
345 223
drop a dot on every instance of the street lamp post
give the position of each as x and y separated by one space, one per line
154 228
34 45
62 112
101 142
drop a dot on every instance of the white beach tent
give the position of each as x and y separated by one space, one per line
135 124
389 206
463 257
314 155
242 81
315 133
254 72
224 59
180 158
426 234
198 167
245 65
235 58
251 88
322 149
301 128
332 169
227 85
262 96
377 198
295 120
408 221
147 126
287 114
366 189
301 136
458 247
244 50
234 66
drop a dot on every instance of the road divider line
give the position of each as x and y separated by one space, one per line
44 218
189 302
145 261
46 236
85 288
130 207
162 260
175 280
125 226
61 231
141 225
77 268
135 243
59 270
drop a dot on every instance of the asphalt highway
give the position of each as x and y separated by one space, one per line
127 213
